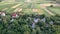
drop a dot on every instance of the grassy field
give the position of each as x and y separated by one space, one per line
27 8
55 10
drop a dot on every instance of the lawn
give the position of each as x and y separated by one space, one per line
55 10
27 8
11 10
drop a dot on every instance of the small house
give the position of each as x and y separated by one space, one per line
15 15
2 14
36 20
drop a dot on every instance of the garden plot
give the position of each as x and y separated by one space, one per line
55 10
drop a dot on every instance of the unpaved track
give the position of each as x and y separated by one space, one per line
38 11
49 11
16 6
18 10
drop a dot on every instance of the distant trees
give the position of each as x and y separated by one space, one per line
0 0
23 24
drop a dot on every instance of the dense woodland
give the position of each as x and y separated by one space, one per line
28 24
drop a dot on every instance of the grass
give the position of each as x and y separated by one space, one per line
55 10
11 10
37 6
6 6
27 8
27 11
57 28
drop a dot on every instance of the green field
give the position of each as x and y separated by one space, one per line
55 10
29 11
24 6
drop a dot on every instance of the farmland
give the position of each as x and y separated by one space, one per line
55 10
23 6
29 17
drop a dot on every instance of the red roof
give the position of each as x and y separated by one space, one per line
14 14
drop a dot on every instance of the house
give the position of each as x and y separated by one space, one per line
33 25
15 15
36 20
2 14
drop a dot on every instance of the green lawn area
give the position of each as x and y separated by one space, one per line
6 6
55 10
10 9
27 8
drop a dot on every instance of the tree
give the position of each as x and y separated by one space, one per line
0 0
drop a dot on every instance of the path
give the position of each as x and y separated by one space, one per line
16 6
18 10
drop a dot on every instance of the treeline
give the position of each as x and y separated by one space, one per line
28 24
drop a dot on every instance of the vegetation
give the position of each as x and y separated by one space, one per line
32 19
23 25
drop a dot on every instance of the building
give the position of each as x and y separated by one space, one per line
2 14
15 15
